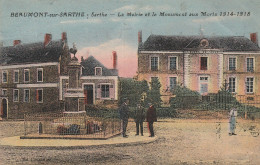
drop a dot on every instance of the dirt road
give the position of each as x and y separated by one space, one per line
179 142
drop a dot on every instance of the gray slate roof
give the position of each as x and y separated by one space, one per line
174 43
31 53
89 65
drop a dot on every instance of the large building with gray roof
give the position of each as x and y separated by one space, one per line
201 63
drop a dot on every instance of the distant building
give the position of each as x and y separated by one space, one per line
42 76
201 63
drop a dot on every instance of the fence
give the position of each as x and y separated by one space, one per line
208 102
63 125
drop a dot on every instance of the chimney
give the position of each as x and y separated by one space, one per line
17 42
254 38
47 39
139 37
64 36
114 59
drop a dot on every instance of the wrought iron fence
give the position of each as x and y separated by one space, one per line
67 125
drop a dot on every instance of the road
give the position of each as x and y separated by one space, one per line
179 142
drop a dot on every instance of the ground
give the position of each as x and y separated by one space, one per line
180 141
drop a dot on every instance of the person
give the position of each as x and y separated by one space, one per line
139 119
124 115
232 121
151 118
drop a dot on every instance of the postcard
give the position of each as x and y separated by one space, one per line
129 82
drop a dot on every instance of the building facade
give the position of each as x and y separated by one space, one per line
100 84
201 63
42 76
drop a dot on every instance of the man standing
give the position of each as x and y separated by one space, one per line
232 121
124 115
139 118
150 118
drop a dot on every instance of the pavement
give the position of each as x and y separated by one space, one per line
15 141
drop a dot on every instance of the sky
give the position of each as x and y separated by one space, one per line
100 35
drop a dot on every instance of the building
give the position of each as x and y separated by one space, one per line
40 77
99 83
30 75
201 63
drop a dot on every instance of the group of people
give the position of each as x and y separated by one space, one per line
140 115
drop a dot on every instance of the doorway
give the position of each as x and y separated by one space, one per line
89 94
4 108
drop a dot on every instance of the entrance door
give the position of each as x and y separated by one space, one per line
4 108
203 85
88 92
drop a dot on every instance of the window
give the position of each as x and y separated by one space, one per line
204 85
16 95
173 82
173 63
39 74
249 85
4 76
39 95
232 84
4 92
203 78
105 91
232 63
26 96
26 75
16 76
203 63
98 71
250 64
154 63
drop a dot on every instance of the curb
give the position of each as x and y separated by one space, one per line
86 146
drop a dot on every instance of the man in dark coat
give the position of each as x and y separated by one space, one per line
150 118
124 115
139 118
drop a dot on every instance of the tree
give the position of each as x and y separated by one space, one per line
153 95
132 90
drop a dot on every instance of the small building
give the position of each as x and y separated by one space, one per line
100 84
201 63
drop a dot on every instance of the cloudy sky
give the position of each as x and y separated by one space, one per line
99 36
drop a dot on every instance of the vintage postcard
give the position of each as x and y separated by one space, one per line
129 82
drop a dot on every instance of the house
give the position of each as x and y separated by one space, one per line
29 76
40 77
201 63
100 84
